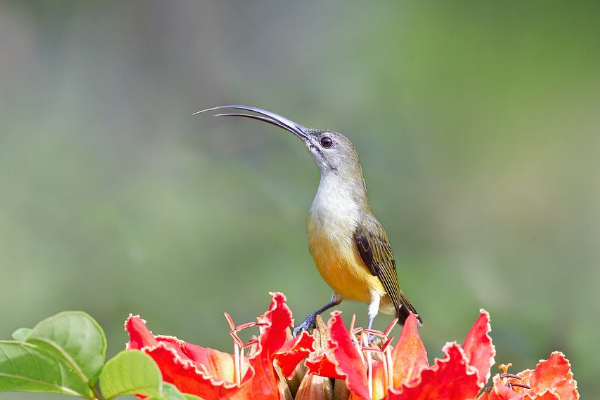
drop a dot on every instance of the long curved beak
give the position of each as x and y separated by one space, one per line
264 116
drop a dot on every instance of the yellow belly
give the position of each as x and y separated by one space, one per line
339 263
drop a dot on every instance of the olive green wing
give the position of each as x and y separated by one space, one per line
376 252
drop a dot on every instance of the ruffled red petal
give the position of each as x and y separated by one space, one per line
139 335
323 365
342 361
552 379
189 379
213 362
408 356
347 359
449 378
552 375
273 336
478 347
294 351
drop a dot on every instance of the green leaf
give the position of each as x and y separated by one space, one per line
170 392
130 372
24 367
135 372
191 397
21 334
74 337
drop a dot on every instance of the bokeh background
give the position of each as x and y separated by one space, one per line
476 122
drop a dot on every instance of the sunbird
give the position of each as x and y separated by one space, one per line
348 244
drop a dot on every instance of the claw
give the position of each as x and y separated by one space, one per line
308 323
373 339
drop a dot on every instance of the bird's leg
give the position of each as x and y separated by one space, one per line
309 322
373 309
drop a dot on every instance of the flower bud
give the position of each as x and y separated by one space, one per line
314 387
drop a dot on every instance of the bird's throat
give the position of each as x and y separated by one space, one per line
337 204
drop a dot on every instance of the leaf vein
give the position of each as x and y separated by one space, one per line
69 359
61 388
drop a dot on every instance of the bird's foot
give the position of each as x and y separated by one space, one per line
380 342
308 323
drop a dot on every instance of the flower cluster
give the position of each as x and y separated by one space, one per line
341 363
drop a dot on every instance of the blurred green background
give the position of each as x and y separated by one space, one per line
476 123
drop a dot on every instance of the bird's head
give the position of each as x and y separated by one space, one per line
333 152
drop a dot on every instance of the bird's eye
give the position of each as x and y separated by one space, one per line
326 141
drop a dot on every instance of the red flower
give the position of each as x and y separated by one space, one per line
258 368
212 374
552 379
404 373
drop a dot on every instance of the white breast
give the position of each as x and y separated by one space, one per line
333 212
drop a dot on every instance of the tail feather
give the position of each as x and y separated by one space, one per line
405 309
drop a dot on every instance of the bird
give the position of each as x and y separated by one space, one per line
349 245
